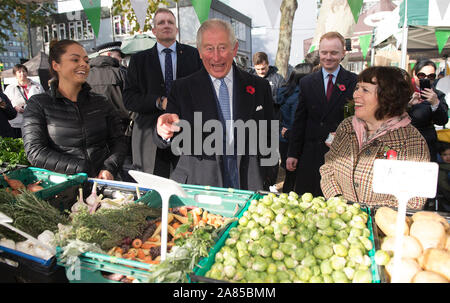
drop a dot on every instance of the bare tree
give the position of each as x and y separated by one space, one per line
287 8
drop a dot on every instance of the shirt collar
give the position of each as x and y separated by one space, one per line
228 78
335 73
161 47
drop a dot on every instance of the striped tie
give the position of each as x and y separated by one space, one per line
224 100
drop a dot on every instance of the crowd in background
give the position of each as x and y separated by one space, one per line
103 118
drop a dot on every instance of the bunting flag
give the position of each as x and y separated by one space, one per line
441 38
312 48
426 12
140 10
202 8
355 7
364 43
92 9
412 65
273 10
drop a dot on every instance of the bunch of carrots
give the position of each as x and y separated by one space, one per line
141 248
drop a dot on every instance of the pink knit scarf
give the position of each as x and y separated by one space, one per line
391 124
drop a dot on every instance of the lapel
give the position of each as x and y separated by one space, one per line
320 91
204 96
337 96
180 61
156 65
243 102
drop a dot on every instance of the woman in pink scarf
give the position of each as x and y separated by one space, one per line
380 129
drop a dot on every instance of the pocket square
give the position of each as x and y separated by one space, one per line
259 108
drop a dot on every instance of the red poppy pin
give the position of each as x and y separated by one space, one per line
390 154
250 89
342 87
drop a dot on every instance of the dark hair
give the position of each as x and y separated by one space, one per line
57 49
313 58
421 63
163 10
394 89
259 58
18 67
299 71
442 147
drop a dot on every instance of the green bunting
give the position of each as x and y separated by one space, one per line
355 7
201 8
441 38
364 43
92 9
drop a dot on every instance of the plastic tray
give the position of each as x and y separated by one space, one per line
225 202
53 183
206 263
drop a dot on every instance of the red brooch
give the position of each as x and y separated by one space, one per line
342 87
390 154
250 89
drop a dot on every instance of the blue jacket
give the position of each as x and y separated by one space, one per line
288 105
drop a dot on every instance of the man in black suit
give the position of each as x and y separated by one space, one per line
226 99
149 77
319 112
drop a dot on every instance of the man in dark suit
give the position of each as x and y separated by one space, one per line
149 77
319 112
224 98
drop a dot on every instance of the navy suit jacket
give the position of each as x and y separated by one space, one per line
143 86
252 100
315 118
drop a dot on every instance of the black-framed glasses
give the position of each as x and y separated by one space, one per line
423 76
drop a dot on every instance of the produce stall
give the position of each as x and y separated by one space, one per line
110 232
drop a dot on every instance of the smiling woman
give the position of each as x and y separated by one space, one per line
71 129
379 128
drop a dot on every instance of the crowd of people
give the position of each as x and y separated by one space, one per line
192 115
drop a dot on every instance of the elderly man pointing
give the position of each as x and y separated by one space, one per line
223 93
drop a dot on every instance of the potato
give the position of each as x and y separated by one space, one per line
430 233
428 277
411 247
436 260
432 216
386 220
407 270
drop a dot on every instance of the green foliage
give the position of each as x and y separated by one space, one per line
12 10
12 152
122 7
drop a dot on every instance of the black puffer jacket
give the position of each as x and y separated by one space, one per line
72 137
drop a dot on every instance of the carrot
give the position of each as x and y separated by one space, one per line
176 225
141 254
148 245
119 250
137 243
147 259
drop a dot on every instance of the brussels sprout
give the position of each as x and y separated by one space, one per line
217 266
271 268
246 261
290 214
277 254
305 235
366 232
239 275
323 223
299 217
324 240
325 267
339 277
309 260
355 252
304 273
349 272
304 205
337 263
254 248
340 209
230 242
230 262
265 251
216 274
268 230
362 276
382 257
276 206
286 248
328 231
280 266
333 215
285 229
347 216
298 254
266 200
259 264
279 218
255 234
293 194
316 279
345 243
279 237
241 246
340 250
338 224
366 242
357 224
290 262
252 224
219 257
316 237
245 237
270 279
269 214
243 221
252 208
264 221
229 271
342 234
251 276
282 276
228 253
353 209
290 238
260 209
242 253
315 270
256 217
327 278
307 197
323 251
355 232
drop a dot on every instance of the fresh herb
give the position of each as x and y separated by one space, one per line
12 152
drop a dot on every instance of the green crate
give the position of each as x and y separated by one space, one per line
225 202
53 183
206 263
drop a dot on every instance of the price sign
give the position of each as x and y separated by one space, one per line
404 180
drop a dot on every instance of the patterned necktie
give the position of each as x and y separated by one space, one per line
329 86
168 75
224 100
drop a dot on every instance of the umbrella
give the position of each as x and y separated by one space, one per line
137 43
